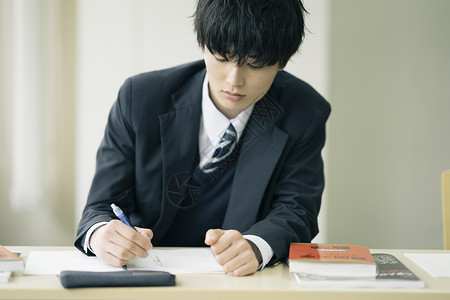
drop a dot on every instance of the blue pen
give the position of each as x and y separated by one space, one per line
119 213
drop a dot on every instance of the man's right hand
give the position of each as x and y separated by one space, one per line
116 243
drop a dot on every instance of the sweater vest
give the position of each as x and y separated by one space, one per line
212 192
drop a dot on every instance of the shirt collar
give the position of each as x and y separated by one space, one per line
215 123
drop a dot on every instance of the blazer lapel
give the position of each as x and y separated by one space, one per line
260 151
179 142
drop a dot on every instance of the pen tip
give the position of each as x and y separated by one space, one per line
113 206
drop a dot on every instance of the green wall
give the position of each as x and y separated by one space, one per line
389 133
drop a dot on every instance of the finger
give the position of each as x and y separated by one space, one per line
147 234
111 259
213 235
244 263
123 245
132 233
225 241
120 254
229 247
246 269
131 240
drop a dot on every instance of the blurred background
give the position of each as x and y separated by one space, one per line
383 65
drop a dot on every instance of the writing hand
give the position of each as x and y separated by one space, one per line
232 251
116 243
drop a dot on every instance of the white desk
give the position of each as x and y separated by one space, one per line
271 283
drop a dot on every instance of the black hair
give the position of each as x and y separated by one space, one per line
264 31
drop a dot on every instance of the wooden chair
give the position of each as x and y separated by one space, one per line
446 208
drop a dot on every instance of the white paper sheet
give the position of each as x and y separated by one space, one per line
200 260
436 264
52 262
177 261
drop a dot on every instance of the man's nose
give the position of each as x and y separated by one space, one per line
235 76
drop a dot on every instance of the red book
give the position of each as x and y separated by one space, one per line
332 260
9 261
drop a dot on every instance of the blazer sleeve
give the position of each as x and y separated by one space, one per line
114 176
293 197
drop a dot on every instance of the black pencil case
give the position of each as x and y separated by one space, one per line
78 279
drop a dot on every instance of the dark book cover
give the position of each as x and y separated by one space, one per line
389 267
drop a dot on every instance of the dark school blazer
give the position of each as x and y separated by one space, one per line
151 142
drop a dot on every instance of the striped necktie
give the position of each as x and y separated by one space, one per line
225 148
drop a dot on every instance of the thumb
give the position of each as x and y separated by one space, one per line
212 236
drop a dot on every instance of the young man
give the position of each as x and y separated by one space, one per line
224 152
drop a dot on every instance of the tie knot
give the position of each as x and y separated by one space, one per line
224 148
229 135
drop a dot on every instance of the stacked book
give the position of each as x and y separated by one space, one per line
347 266
9 263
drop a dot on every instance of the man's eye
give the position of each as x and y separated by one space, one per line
255 67
220 59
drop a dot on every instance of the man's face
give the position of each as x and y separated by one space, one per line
233 88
